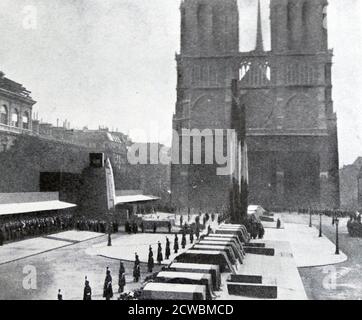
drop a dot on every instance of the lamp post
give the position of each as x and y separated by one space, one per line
337 238
310 218
320 225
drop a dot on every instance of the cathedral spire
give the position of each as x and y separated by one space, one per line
259 33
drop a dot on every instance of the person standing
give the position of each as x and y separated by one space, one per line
168 250
175 245
159 253
181 221
150 263
60 296
87 294
169 227
183 240
154 227
107 288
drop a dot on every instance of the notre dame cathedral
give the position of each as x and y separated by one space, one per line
280 101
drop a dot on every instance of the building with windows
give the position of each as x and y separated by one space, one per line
291 127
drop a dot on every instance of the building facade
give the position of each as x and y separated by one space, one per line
207 108
286 93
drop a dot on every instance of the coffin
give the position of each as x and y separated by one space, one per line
212 269
207 256
164 291
187 278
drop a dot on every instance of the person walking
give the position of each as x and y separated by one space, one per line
150 263
159 253
167 250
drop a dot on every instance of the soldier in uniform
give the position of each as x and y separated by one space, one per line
167 250
136 269
278 223
107 288
181 221
150 262
159 253
154 227
175 245
121 274
121 283
169 227
87 295
183 240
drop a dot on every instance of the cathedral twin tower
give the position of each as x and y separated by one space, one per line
279 103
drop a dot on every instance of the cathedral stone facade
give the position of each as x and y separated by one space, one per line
285 93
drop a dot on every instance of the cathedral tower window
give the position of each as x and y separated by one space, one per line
26 120
3 114
15 118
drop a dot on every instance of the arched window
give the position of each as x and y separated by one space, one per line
4 114
15 118
26 120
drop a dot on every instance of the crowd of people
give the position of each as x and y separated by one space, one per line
22 227
95 225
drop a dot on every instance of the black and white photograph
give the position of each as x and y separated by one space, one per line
180 150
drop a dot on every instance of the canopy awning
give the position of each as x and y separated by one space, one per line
135 198
26 207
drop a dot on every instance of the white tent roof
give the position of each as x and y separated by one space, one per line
17 208
135 198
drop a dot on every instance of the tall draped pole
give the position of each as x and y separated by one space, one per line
337 238
320 225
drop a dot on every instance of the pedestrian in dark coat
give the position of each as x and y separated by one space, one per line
168 250
107 288
142 227
121 274
183 240
159 253
87 294
154 227
169 227
278 223
150 263
175 245
181 221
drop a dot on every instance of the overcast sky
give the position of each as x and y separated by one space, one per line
111 62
